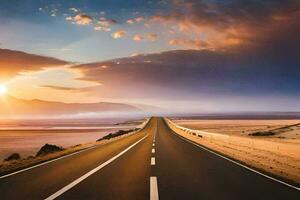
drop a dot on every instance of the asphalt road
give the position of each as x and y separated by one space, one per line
155 163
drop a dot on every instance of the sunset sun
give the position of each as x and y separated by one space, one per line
3 90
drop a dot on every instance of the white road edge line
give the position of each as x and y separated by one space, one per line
237 163
153 144
153 150
47 162
153 188
152 161
72 184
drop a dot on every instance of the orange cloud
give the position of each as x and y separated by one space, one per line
214 25
119 34
14 62
152 37
191 43
83 19
130 21
135 20
137 38
59 88
100 28
104 24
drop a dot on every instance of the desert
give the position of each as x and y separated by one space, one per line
277 154
27 136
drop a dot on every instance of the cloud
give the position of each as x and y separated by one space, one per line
130 21
59 88
229 24
72 90
139 19
191 43
69 18
61 50
135 20
100 28
74 10
137 38
53 12
83 19
152 37
105 24
192 74
14 62
119 34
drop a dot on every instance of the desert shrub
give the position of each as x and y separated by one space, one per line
30 157
262 133
118 133
48 148
281 137
14 156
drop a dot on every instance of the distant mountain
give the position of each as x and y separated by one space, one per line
13 107
149 108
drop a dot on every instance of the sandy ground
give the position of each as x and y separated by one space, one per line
279 156
8 167
11 166
28 142
235 127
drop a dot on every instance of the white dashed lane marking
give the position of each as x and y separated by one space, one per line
153 188
152 161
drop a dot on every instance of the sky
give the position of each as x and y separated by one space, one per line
184 55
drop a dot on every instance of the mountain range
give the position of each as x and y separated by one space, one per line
14 107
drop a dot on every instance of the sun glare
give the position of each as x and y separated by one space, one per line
3 90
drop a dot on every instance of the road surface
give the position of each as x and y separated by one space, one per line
155 163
